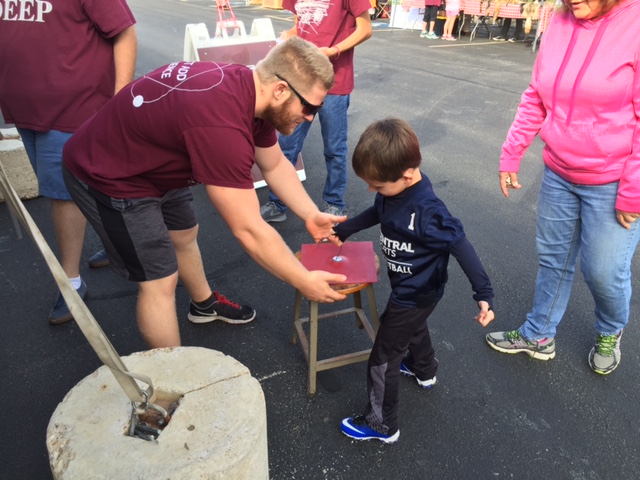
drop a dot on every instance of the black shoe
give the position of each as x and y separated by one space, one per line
222 309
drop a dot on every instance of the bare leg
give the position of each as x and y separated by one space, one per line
157 318
432 26
69 224
190 266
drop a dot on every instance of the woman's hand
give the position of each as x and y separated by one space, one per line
509 180
626 218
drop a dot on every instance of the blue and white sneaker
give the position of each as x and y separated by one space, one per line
423 383
357 428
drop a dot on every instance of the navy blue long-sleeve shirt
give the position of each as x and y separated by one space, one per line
417 236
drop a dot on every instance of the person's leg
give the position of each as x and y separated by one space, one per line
206 305
605 260
291 146
333 122
421 360
431 15
44 150
506 26
190 267
425 19
558 234
504 31
518 33
397 327
445 28
156 312
69 225
137 241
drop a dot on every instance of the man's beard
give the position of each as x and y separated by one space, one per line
280 117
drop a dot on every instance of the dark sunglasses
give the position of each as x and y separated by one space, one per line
307 107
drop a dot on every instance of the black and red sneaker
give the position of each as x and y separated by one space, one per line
221 309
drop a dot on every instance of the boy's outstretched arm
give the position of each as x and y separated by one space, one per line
468 259
362 221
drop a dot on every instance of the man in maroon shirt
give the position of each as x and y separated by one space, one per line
61 62
130 167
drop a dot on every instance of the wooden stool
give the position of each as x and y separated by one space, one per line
310 345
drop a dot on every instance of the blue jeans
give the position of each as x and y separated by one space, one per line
580 219
333 123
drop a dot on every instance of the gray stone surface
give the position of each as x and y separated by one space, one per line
218 432
16 164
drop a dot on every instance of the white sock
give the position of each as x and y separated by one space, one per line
76 282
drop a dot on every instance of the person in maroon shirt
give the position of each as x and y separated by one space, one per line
129 169
337 28
61 62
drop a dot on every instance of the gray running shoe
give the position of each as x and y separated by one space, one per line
271 213
513 342
604 357
333 209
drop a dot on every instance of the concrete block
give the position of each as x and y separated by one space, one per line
18 168
219 430
6 133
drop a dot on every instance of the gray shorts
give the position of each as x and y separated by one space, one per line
135 231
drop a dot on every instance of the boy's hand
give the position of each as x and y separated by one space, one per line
486 315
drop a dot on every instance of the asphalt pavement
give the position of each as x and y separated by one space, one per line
491 416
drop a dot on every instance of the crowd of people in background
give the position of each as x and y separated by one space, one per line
448 12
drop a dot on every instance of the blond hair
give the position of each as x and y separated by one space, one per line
300 62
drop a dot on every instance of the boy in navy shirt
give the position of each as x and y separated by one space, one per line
418 234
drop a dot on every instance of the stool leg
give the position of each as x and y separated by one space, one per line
373 307
357 303
313 346
296 317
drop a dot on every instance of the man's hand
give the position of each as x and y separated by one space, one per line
320 226
315 286
486 315
509 180
626 218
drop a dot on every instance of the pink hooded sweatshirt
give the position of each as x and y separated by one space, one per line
584 100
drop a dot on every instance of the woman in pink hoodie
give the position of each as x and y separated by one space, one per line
584 101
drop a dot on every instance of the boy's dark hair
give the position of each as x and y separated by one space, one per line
385 150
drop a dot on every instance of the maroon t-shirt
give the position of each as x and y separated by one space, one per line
56 67
184 123
326 23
